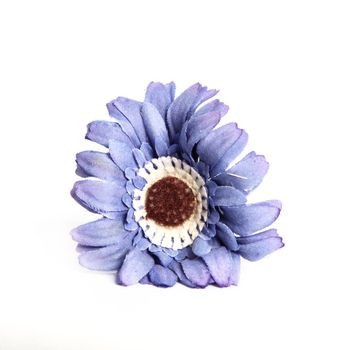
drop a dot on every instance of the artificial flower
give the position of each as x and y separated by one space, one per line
173 203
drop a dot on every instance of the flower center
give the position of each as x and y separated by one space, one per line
170 202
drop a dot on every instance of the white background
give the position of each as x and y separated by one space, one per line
282 66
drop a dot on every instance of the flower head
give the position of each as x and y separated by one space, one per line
173 206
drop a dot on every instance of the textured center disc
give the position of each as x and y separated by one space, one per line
170 202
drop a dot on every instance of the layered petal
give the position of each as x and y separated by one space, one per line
101 232
162 276
201 247
103 259
224 266
154 125
161 96
100 165
221 147
176 267
101 132
184 105
228 196
226 236
98 196
247 174
257 246
196 271
247 219
122 155
136 265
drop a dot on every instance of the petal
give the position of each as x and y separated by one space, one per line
124 123
131 110
257 250
247 174
121 154
180 110
258 236
163 258
221 146
161 96
147 151
136 265
228 196
101 132
162 276
196 271
201 246
213 106
226 236
154 124
247 219
176 267
223 267
99 165
99 197
100 232
104 259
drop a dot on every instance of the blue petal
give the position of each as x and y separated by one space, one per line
147 151
184 105
247 219
101 132
162 276
103 259
162 148
139 182
223 267
258 249
99 197
196 271
124 123
176 267
131 110
228 196
99 165
143 244
214 106
139 157
221 146
154 124
121 154
161 96
201 247
226 236
100 232
136 265
258 236
247 174
163 258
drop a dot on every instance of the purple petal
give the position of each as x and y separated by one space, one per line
228 196
213 106
136 265
221 146
161 96
121 154
161 148
223 267
99 165
257 250
103 259
226 236
139 157
176 267
201 246
101 132
163 258
139 182
154 124
162 276
131 110
196 271
100 232
247 219
99 197
258 236
143 244
147 151
184 105
247 174
124 123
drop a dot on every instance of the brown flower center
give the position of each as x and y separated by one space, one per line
170 202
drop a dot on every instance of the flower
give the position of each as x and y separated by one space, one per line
173 206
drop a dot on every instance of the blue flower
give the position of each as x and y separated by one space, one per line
173 206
